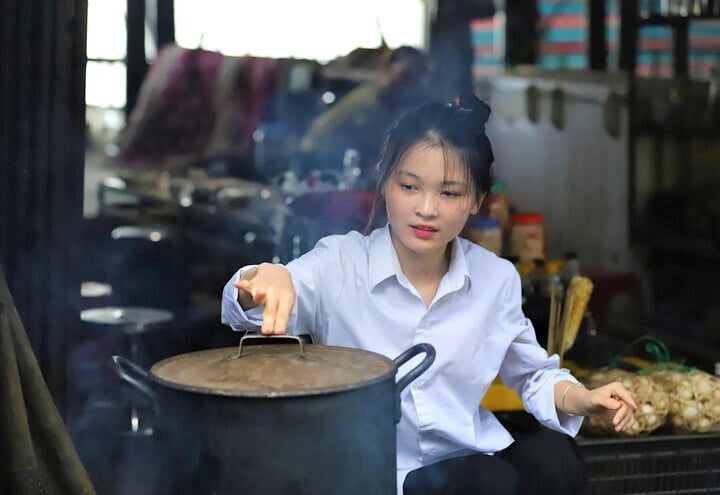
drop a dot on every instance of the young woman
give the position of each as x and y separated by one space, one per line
414 280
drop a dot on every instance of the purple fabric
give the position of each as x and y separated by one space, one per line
195 105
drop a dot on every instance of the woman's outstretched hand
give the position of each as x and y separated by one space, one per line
613 402
271 286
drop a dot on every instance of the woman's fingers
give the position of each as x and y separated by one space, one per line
282 315
247 286
606 402
623 418
258 294
614 402
270 314
278 306
623 394
270 286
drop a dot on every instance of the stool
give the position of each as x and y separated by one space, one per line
607 286
133 322
95 294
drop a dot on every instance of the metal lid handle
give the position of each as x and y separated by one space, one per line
255 336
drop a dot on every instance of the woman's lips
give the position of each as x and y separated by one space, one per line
423 231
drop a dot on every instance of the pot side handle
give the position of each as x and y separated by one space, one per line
120 364
403 358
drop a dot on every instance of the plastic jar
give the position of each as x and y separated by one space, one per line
485 232
527 238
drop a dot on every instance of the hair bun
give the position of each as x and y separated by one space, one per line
471 103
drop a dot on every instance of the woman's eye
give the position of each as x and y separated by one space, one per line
407 187
451 194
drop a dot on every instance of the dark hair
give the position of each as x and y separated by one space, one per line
457 126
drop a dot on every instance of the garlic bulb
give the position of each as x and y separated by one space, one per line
694 399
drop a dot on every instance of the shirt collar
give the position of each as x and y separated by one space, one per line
383 260
458 273
384 263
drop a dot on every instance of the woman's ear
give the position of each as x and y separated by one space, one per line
479 204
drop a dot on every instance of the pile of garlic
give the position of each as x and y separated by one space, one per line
653 403
694 399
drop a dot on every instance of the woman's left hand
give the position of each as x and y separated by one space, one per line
612 401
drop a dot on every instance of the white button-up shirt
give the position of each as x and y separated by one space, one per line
351 291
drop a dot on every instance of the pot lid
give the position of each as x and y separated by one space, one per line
273 370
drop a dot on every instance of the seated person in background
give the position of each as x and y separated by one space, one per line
357 121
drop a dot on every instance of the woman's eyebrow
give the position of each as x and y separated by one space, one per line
409 174
454 183
444 183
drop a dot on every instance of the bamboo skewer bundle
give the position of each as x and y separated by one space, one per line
556 298
566 314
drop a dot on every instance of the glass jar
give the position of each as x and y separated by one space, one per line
485 232
527 238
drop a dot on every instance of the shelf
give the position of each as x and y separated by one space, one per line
673 20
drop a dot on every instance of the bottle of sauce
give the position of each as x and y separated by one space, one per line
527 238
538 278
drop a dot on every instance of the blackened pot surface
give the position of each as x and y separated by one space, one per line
337 443
273 370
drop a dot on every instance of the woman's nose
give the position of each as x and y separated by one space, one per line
428 206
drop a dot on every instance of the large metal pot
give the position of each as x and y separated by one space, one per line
277 419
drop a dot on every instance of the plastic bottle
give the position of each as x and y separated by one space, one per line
538 278
554 280
525 268
570 268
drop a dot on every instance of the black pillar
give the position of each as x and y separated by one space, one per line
135 57
521 32
451 50
42 139
629 25
165 27
597 46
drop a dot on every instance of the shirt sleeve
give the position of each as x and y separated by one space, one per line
313 278
317 276
231 313
528 369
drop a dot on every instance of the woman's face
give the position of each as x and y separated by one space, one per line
427 203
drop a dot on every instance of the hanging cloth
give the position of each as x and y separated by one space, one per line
38 457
